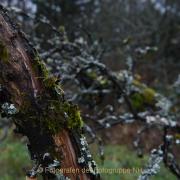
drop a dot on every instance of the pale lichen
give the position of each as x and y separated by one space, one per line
9 109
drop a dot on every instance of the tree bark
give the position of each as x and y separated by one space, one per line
37 106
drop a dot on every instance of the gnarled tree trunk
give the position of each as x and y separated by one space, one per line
37 106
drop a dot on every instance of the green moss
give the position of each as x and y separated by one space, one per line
103 81
148 95
92 75
24 94
74 117
36 58
138 84
137 101
3 52
1 23
66 38
39 66
177 136
49 83
52 91
27 108
13 98
54 125
56 120
36 69
58 114
62 28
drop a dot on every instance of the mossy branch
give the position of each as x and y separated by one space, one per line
40 111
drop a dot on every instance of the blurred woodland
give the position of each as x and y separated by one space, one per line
119 60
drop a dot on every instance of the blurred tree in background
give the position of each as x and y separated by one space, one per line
147 22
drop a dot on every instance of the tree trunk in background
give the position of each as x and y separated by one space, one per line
37 106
